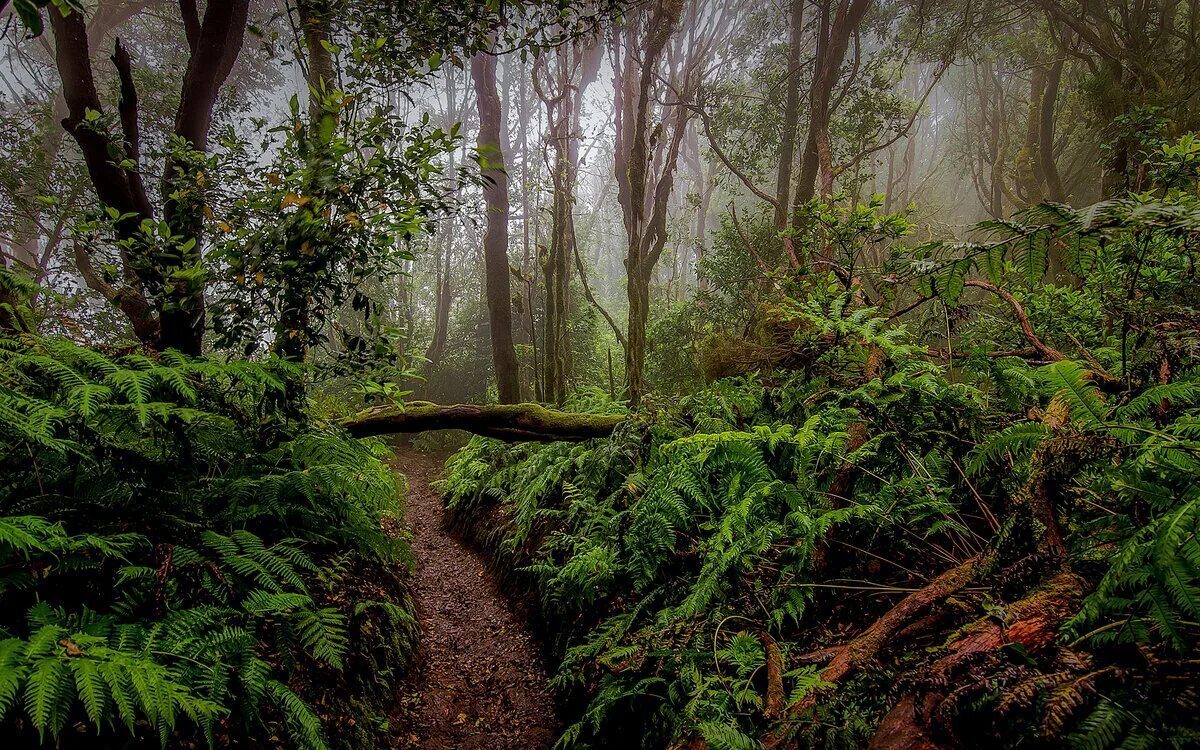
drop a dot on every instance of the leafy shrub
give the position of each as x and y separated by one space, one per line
678 554
176 556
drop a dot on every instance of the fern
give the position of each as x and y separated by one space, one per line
1016 441
1069 382
235 577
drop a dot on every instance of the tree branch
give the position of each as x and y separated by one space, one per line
1018 309
191 23
716 147
79 91
218 43
129 299
587 293
128 109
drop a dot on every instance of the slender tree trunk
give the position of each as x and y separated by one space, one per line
527 325
293 334
834 30
556 343
441 307
1054 185
575 68
217 44
791 117
643 198
495 239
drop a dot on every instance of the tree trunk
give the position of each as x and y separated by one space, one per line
563 101
556 342
833 39
1054 186
293 334
495 238
791 117
172 275
644 199
504 421
181 305
441 310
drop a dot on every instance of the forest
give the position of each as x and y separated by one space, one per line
552 374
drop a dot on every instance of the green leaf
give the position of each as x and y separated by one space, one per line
30 15
1070 381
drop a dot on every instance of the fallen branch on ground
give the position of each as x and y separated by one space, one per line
864 648
512 422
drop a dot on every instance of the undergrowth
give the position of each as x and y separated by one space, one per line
706 571
179 565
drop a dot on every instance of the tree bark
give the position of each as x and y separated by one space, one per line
181 306
495 238
177 298
513 422
833 39
791 118
1054 185
561 91
111 183
556 269
643 199
293 335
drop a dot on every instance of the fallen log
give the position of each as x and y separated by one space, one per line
511 422
1031 623
864 647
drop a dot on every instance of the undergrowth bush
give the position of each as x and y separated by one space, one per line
699 570
183 566
683 549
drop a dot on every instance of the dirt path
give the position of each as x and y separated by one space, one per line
479 682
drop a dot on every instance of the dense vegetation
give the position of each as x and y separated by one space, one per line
834 368
183 565
1010 548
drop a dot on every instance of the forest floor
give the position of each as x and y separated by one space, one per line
479 681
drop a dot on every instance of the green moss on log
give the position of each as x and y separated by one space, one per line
513 422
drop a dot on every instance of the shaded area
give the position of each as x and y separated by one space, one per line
479 681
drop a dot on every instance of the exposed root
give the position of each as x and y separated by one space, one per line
1031 623
864 648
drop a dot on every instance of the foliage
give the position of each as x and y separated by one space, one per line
738 533
672 550
174 562
323 217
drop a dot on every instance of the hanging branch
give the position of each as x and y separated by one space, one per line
1018 309
587 293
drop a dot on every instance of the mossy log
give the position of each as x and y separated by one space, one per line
512 422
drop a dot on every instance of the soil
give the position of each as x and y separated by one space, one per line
479 681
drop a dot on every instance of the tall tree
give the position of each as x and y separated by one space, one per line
560 80
163 294
835 26
293 332
495 238
791 117
643 195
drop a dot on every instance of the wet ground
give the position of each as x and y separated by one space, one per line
479 682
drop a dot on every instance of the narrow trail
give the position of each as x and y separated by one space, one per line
479 682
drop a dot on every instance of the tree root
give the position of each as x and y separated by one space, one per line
862 649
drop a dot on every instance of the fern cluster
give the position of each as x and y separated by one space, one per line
174 551
699 565
675 550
